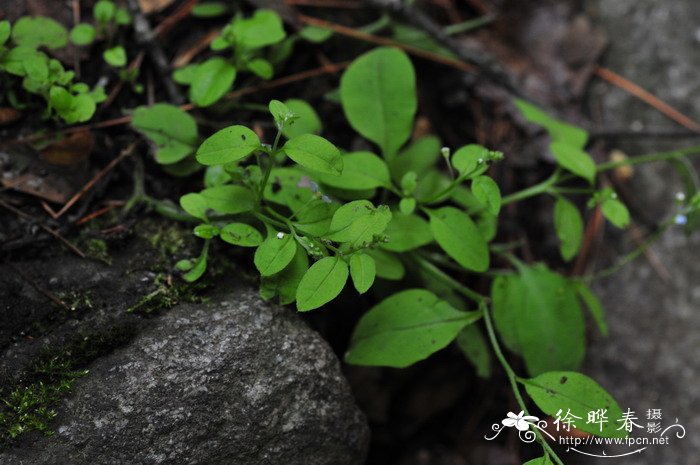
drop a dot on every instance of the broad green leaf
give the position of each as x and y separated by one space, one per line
544 460
37 68
290 187
306 122
616 212
387 264
321 283
457 235
115 56
82 34
358 222
195 205
568 390
418 157
488 225
487 192
186 74
538 316
574 159
209 9
363 271
241 234
285 283
260 30
315 34
470 160
173 130
431 187
229 199
378 94
315 153
407 232
5 31
205 231
315 217
104 11
361 170
212 79
227 145
275 253
39 31
79 108
569 227
406 328
593 304
558 130
475 348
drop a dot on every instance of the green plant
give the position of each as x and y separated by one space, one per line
312 215
24 68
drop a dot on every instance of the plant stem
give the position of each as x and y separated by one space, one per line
448 280
541 188
653 157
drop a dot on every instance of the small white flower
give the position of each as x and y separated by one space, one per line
480 161
680 196
280 235
445 152
520 421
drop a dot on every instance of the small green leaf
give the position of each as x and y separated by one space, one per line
39 31
275 253
321 283
407 232
363 271
388 265
306 121
209 9
361 170
315 153
212 79
285 283
104 11
82 34
173 130
457 235
185 75
418 157
115 56
357 222
574 159
261 68
241 234
228 199
5 31
567 390
487 192
405 328
315 217
544 460
378 94
262 29
409 182
315 34
280 112
616 212
122 17
195 205
558 130
227 145
199 267
569 227
470 160
206 231
593 304
407 205
475 348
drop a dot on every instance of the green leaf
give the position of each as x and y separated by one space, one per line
206 231
407 205
568 390
405 328
104 11
195 205
199 267
209 9
5 31
315 153
212 79
457 235
418 157
37 68
315 217
378 94
241 234
186 74
358 222
361 170
321 283
363 271
470 160
285 283
262 29
616 212
115 56
487 192
315 34
72 108
275 253
227 145
574 159
569 227
475 348
173 130
122 17
228 199
407 232
544 460
593 304
558 130
82 34
261 68
39 31
388 265
539 317
306 121
280 112
488 225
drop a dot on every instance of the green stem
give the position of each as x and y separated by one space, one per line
541 188
653 157
448 280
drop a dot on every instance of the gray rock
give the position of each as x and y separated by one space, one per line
237 381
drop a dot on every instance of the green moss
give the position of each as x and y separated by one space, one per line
166 294
77 301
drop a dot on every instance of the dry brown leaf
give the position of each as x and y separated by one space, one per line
75 148
154 6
